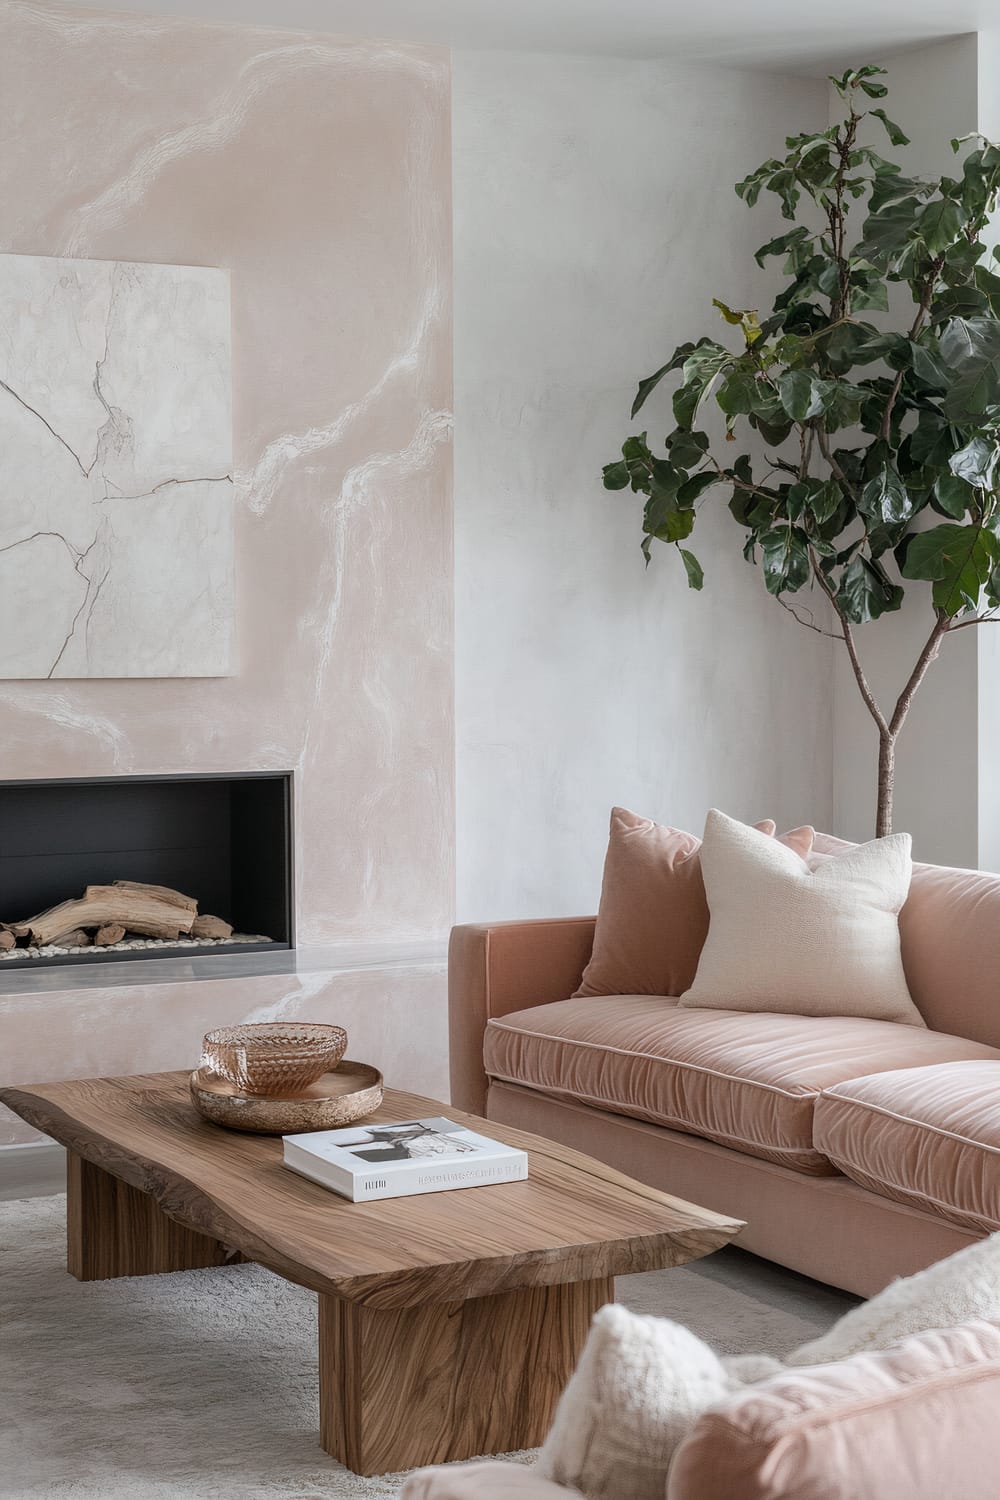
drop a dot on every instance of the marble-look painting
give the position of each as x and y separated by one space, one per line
116 552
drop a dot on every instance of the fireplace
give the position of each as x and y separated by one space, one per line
224 840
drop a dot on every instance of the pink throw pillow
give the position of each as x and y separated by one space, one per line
653 918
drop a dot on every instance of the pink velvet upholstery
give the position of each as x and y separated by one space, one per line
916 1422
745 1080
825 1227
835 1229
497 968
925 1136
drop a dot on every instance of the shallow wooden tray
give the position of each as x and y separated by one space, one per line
347 1093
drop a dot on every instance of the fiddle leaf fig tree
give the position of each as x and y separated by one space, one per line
869 450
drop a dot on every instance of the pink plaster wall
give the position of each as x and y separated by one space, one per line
318 171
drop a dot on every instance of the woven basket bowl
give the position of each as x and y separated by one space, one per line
273 1058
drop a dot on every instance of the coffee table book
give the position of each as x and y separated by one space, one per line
365 1162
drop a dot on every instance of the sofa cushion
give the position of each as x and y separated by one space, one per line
746 1081
949 931
820 941
914 1422
927 1136
653 916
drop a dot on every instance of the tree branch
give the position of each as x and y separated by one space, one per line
809 624
871 702
987 619
823 438
926 298
931 647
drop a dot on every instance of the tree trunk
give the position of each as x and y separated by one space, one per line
886 778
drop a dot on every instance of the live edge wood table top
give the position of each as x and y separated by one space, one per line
449 1322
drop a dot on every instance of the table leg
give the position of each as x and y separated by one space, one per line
113 1229
424 1385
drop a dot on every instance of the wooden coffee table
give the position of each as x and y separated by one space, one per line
448 1323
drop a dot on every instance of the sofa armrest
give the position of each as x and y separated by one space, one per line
496 968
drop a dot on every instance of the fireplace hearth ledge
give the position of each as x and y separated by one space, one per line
342 957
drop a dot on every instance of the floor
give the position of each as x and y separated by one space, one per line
202 1385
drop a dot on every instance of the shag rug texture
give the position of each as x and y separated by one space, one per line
202 1385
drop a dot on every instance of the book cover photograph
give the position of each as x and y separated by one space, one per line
397 1160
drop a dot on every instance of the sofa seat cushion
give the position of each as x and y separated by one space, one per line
925 1136
745 1080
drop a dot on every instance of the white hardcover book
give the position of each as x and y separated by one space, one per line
363 1162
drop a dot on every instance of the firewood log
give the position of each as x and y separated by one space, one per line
111 932
160 893
205 926
137 909
75 938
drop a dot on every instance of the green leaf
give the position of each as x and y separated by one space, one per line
870 295
616 476
865 592
886 497
892 130
785 558
976 463
652 381
727 312
692 567
928 368
675 526
886 232
970 348
873 90
844 406
839 347
803 394
954 496
701 369
687 449
738 394
940 223
892 187
695 486
930 441
958 302
958 560
894 348
782 244
815 497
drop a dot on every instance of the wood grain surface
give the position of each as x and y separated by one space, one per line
573 1220
428 1385
115 1230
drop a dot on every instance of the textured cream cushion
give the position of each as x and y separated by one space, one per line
808 942
959 1289
640 1385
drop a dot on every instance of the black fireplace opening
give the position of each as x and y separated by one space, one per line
224 840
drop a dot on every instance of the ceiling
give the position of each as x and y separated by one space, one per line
798 35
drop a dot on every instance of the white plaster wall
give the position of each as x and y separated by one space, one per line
933 93
594 222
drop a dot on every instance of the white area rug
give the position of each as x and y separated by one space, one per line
202 1385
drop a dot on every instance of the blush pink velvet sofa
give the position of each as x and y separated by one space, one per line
856 1150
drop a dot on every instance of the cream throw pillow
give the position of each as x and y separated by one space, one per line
640 1385
783 937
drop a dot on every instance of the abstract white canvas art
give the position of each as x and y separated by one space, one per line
116 547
